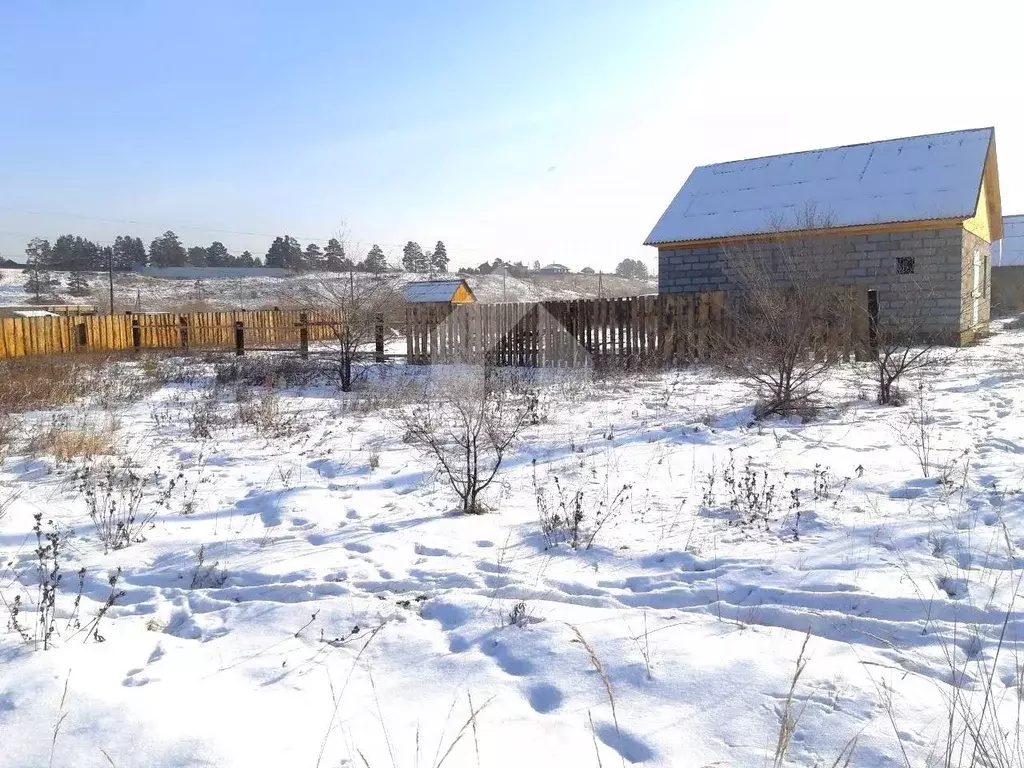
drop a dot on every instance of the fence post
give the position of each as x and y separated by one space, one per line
81 335
378 337
183 330
873 321
136 333
239 337
303 335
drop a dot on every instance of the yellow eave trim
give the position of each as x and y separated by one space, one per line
859 229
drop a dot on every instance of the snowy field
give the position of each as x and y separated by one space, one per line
156 294
306 596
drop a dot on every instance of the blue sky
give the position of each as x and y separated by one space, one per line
554 130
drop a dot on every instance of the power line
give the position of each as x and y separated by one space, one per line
138 223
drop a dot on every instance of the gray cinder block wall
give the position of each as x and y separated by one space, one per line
936 296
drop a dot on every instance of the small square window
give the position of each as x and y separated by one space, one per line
904 265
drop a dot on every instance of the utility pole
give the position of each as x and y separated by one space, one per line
600 276
504 295
110 278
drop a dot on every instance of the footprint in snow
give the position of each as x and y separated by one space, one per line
544 698
629 747
510 664
422 549
133 681
356 546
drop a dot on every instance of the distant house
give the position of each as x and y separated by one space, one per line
553 269
1009 252
911 218
439 292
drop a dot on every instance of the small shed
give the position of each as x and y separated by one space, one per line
439 292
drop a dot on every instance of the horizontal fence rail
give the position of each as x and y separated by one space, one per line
239 329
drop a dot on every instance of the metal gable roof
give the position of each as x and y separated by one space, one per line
913 179
1010 250
433 291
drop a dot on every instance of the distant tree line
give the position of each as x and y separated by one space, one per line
77 255
73 253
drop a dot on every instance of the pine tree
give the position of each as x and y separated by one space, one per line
375 261
439 259
413 259
246 260
88 256
284 253
334 257
62 255
314 258
78 285
217 255
38 280
129 252
196 256
167 251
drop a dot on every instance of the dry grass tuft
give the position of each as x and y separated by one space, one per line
67 443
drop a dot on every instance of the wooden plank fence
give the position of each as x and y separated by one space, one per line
293 329
666 330
641 330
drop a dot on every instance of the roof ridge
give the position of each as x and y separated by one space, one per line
989 128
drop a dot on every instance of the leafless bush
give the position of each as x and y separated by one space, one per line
469 421
206 575
203 414
905 346
123 502
572 516
270 371
917 429
790 326
361 301
267 417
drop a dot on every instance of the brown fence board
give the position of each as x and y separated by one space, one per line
22 336
667 329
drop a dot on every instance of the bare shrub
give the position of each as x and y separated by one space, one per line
572 516
790 326
267 417
361 300
269 371
917 429
203 414
468 422
906 345
206 575
122 502
49 545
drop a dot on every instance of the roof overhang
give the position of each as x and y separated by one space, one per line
858 229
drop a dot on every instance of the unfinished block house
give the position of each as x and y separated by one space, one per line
911 218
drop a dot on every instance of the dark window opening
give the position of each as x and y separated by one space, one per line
904 265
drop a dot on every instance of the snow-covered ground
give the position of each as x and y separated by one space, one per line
155 294
343 616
